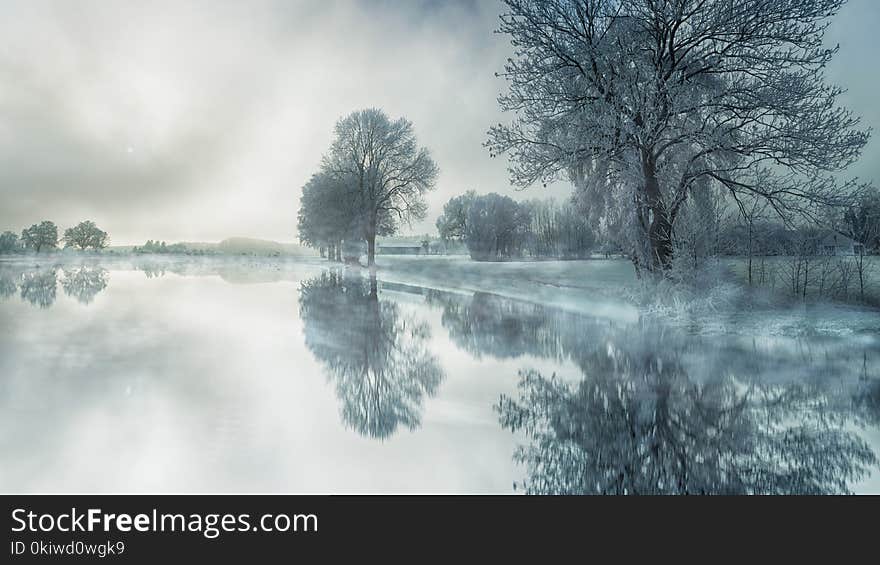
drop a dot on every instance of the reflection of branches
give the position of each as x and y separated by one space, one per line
38 287
376 354
151 270
487 324
8 285
638 424
660 411
84 283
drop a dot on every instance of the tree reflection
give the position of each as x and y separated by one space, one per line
639 423
376 354
8 284
84 282
488 324
655 410
38 287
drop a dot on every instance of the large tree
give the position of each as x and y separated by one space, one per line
388 173
639 102
85 235
39 236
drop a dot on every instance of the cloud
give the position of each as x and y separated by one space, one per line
201 120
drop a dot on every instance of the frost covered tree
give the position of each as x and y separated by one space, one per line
640 103
496 227
388 171
862 221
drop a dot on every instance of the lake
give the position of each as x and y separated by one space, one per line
301 377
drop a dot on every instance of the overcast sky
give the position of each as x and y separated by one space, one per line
186 120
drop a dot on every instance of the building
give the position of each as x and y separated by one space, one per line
837 244
400 249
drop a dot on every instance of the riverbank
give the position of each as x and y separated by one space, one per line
589 286
604 288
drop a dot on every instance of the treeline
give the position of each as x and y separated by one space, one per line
372 178
495 227
161 248
44 237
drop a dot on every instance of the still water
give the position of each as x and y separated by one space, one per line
222 377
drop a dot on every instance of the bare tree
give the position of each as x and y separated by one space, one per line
387 171
643 99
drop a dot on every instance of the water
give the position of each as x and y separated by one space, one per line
227 376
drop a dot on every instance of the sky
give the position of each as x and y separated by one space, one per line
200 120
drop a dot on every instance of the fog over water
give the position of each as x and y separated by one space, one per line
298 377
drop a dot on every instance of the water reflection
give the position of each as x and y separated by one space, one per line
84 282
39 285
376 354
612 408
8 284
655 411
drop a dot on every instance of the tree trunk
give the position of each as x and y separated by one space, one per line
370 236
660 227
339 253
374 286
750 252
371 250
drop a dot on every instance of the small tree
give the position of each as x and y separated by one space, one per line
9 242
40 236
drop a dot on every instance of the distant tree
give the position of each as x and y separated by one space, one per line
556 230
40 236
862 220
85 235
330 215
9 242
385 169
452 223
496 226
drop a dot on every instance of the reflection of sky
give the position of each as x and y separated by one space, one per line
190 383
193 384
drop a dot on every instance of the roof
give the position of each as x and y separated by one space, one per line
397 244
